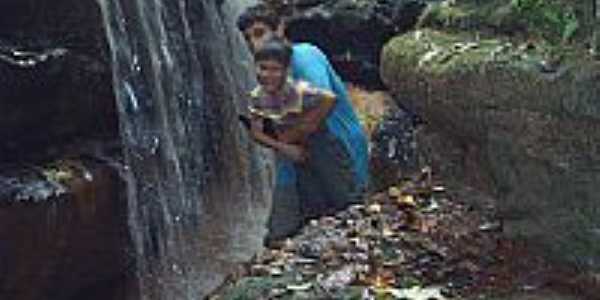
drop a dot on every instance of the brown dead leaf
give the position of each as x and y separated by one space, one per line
427 225
299 287
406 201
387 231
374 208
394 192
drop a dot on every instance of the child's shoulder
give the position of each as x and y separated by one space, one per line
307 88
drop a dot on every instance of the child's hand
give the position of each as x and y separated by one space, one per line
294 152
292 136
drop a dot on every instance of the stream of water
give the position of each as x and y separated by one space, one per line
197 188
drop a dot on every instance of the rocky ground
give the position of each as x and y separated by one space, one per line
416 239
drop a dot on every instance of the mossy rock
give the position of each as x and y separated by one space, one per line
528 118
552 20
467 64
495 15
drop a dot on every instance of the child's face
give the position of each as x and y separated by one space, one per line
257 34
271 75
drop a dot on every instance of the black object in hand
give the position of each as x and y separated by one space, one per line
268 128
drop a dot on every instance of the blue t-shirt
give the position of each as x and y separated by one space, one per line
309 63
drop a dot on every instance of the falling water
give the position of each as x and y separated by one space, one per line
198 190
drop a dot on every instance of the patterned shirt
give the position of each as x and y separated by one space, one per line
286 111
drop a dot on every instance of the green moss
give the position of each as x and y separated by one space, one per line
470 15
444 15
435 52
555 21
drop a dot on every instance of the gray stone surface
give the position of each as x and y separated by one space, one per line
514 127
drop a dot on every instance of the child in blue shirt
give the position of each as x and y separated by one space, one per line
297 111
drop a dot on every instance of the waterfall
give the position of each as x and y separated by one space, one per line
198 193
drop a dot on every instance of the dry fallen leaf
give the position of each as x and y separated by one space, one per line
374 208
275 271
407 201
387 231
299 287
340 278
426 225
417 293
394 192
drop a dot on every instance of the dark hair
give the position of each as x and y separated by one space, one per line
274 48
258 13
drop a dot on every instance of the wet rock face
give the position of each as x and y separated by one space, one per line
71 242
55 80
353 32
201 188
513 126
63 232
63 226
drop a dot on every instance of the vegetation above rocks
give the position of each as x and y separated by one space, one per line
414 241
513 85
437 52
553 21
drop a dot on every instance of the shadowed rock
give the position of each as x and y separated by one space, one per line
55 82
64 232
198 190
353 32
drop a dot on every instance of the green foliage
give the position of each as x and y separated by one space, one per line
549 19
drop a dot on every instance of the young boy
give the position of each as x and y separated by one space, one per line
309 63
298 111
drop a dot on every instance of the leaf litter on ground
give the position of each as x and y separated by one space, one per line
416 240
412 241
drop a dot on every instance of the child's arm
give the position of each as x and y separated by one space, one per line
313 118
294 152
310 121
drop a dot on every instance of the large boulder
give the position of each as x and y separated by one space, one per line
63 227
55 76
63 222
517 121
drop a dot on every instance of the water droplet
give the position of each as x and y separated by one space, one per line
133 101
177 269
167 54
154 143
88 176
135 64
